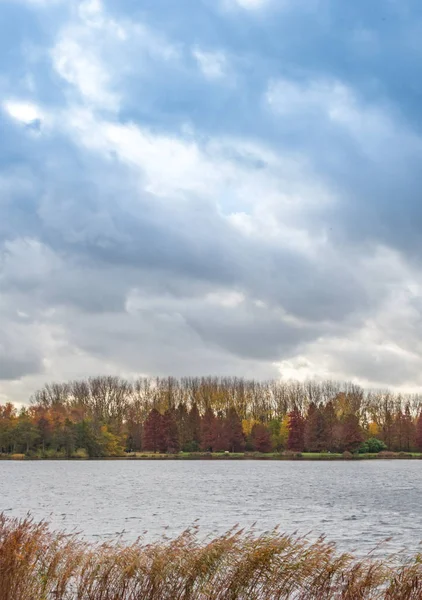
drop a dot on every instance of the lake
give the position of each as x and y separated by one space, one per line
356 504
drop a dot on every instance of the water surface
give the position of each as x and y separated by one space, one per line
356 504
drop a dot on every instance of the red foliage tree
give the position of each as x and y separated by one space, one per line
315 435
409 431
419 433
45 429
234 432
221 437
387 427
170 437
208 433
351 435
261 438
396 443
153 439
330 427
296 427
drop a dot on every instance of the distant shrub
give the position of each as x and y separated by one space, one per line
192 446
292 454
80 453
387 454
372 446
17 456
347 455
405 455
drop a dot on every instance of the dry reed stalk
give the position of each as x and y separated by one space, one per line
38 564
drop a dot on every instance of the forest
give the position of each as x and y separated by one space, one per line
110 416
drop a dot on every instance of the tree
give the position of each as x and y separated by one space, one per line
397 427
66 438
45 430
419 433
154 440
234 431
183 426
25 432
134 428
208 425
195 428
261 438
372 446
409 430
314 434
87 438
7 426
109 443
170 437
351 437
387 428
373 429
221 437
295 441
284 431
330 424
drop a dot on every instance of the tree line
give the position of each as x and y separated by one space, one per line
108 416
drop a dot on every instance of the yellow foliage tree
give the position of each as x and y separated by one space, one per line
284 430
373 429
247 425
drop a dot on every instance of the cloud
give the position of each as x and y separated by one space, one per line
252 4
78 67
212 64
157 219
25 112
94 53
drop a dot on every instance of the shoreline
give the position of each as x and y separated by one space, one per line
219 457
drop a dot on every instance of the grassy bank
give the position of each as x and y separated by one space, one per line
224 456
36 564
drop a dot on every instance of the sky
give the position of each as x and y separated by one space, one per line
196 187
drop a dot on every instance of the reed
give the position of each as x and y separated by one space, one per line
39 564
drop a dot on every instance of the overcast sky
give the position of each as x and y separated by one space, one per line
210 187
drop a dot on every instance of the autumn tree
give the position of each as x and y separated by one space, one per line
7 424
208 431
351 437
25 433
221 433
234 432
86 437
183 425
274 426
295 440
315 438
408 431
66 439
330 426
419 433
261 438
194 428
134 428
170 433
284 431
153 432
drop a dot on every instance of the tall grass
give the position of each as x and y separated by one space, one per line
37 564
